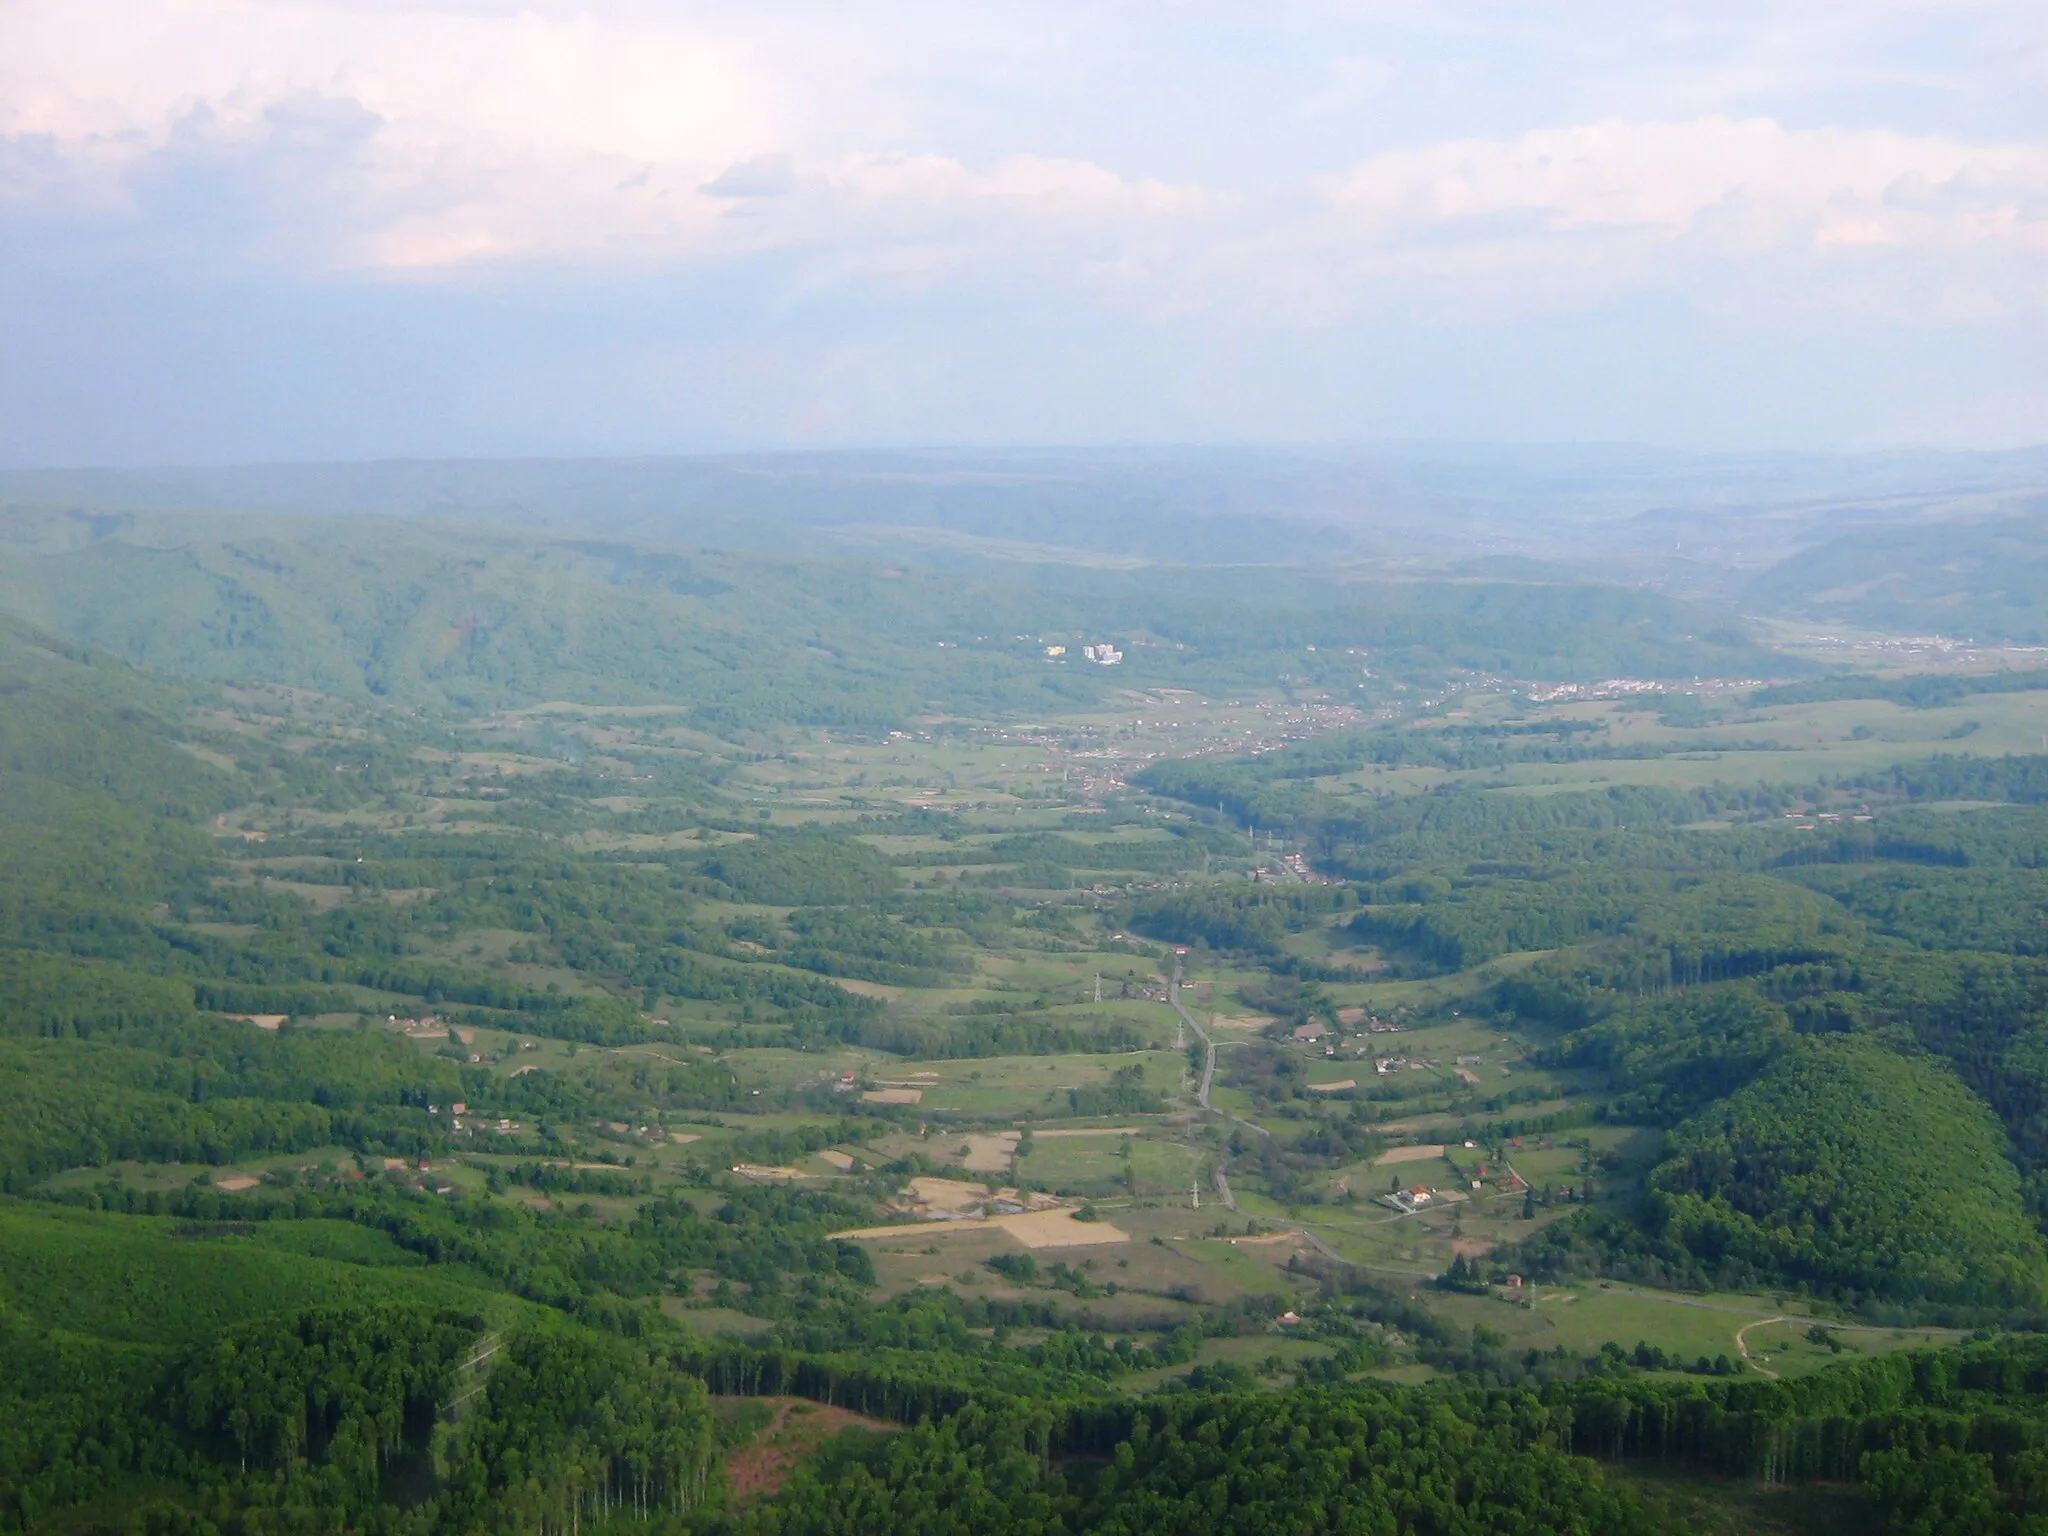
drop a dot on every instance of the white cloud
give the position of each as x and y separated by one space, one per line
1246 180
762 176
1757 179
1590 206
406 141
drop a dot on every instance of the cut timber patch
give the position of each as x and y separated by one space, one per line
792 1436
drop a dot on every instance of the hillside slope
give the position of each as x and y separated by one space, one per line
1851 1167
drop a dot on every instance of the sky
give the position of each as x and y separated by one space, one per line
239 230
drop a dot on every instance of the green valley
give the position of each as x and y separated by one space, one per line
511 1035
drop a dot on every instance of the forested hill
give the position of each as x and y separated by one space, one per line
1986 580
1853 1167
420 614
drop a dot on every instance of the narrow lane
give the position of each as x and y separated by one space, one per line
1208 1055
1222 1176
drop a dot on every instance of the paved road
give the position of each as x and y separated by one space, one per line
1208 1082
1208 1045
1208 1056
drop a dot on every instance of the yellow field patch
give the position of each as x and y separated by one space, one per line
1407 1155
948 1195
1103 1130
1034 1229
1059 1229
887 994
990 1154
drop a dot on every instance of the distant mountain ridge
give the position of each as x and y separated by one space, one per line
1425 501
422 612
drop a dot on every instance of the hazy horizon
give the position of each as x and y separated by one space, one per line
1447 450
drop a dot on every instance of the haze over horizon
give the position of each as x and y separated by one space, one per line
340 231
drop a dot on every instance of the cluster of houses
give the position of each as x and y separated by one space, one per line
456 1122
1809 821
1104 655
1349 1021
619 1128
